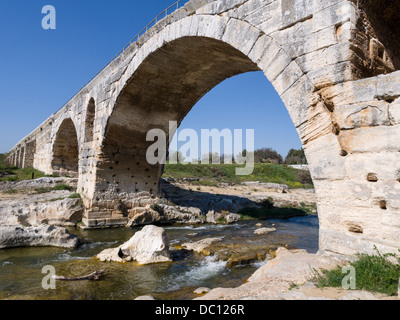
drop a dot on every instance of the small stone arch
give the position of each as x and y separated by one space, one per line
89 121
65 160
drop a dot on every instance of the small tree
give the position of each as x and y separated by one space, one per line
296 157
267 155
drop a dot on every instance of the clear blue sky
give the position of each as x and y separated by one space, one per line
43 69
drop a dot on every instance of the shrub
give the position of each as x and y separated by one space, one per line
375 273
296 157
63 186
304 176
267 155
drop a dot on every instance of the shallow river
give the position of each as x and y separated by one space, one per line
21 269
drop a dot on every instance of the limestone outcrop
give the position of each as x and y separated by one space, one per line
41 236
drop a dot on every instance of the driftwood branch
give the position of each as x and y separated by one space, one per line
93 276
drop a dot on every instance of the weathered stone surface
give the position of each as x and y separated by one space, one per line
29 207
263 231
201 245
145 298
268 186
202 290
273 280
108 255
41 236
150 245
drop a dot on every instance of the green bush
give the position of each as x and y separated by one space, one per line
62 186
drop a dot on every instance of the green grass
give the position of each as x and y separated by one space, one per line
72 196
374 273
62 186
11 191
212 174
75 196
59 187
16 174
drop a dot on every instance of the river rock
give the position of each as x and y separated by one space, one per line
216 217
263 231
201 246
164 214
150 245
113 254
143 216
42 236
145 298
202 290
34 210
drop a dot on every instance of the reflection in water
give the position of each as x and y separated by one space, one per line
21 277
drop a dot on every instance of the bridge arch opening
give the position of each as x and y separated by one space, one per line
65 161
89 121
164 88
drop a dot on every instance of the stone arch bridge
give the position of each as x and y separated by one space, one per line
334 64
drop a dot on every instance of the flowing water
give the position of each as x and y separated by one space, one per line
21 268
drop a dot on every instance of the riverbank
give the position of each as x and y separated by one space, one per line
21 268
289 276
242 261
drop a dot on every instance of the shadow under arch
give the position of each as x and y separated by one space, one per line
65 160
164 88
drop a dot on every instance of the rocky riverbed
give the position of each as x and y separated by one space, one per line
53 202
197 256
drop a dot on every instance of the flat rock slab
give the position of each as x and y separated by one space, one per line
42 236
263 231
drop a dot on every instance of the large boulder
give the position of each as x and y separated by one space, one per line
150 245
42 236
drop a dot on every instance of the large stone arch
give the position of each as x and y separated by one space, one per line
65 150
164 80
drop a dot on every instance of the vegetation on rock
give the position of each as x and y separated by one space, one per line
374 273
